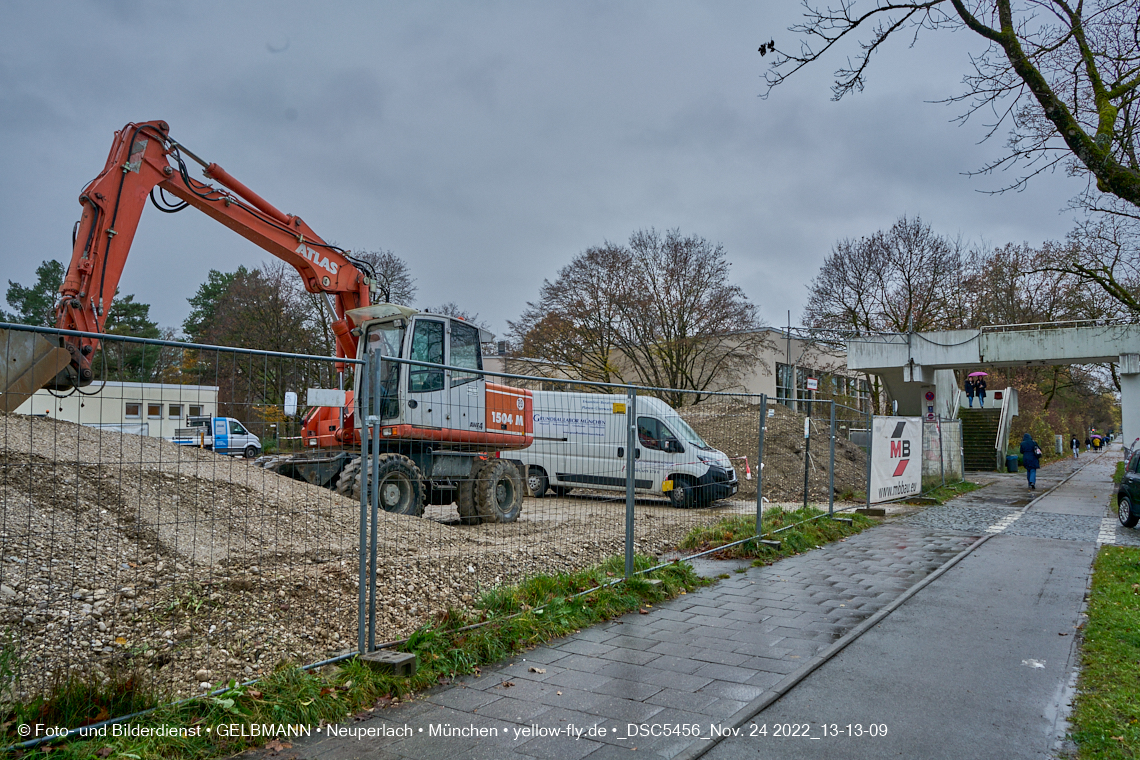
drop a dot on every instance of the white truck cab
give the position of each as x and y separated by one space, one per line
224 435
580 441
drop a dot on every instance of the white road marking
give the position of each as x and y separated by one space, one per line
1001 525
1107 533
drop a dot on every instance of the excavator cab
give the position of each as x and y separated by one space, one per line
439 394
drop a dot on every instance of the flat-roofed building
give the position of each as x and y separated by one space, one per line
154 409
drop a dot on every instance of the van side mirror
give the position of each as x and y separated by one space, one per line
674 447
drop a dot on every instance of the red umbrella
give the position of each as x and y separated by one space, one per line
978 374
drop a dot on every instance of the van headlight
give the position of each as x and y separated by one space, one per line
711 461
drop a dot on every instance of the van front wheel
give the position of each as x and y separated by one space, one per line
684 493
537 481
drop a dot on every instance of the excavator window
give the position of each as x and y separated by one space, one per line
427 346
464 353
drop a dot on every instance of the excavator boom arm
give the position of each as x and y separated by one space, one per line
141 161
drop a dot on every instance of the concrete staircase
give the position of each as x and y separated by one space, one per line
979 432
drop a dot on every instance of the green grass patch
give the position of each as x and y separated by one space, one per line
808 535
516 618
943 494
1106 713
1118 476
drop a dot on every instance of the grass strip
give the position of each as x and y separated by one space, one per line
1105 723
817 531
1118 475
517 618
943 494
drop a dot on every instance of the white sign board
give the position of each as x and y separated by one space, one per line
324 397
896 462
813 383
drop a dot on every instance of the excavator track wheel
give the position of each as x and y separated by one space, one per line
348 484
465 500
398 485
498 492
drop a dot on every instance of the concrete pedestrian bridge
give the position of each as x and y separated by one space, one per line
913 365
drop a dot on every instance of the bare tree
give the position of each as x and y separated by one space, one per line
660 312
395 278
1062 77
575 322
900 280
452 309
1103 254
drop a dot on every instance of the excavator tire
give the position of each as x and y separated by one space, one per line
465 500
400 485
498 492
346 484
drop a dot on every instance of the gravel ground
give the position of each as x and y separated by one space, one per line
124 553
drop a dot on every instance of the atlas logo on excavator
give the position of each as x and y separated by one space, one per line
315 257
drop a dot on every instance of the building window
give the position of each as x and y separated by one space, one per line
133 409
784 385
175 412
195 411
154 411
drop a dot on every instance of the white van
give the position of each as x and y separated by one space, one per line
224 435
580 441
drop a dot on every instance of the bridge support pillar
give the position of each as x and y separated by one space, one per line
1129 369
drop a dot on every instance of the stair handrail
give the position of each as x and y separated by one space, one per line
956 405
1002 442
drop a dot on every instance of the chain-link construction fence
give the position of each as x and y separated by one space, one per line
197 514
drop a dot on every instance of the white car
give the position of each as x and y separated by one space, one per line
580 441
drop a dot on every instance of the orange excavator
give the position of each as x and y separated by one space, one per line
441 429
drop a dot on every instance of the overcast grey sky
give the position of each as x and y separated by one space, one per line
488 143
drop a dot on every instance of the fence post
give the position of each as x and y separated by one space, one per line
831 466
807 445
363 403
760 464
870 444
374 393
630 474
941 461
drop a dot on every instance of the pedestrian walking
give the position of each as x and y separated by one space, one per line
980 389
1031 456
970 391
1088 443
1075 445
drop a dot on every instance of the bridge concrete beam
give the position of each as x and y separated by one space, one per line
912 364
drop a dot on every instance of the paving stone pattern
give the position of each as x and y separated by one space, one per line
696 659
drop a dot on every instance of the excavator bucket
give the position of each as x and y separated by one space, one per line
30 361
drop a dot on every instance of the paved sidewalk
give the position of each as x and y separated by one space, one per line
698 660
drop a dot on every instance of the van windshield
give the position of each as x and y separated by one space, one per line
686 432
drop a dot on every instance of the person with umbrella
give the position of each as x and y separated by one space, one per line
979 387
970 391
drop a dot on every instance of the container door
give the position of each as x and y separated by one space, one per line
428 396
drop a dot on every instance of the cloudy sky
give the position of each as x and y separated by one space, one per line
487 143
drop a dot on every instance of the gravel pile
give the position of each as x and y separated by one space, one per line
732 425
125 553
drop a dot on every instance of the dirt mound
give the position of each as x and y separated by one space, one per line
732 425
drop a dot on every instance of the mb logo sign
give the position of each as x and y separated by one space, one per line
894 472
900 449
